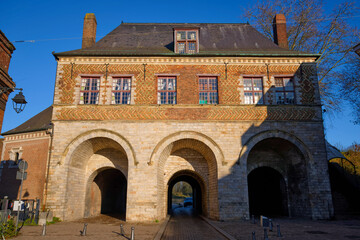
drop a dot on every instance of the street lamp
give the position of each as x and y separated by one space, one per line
19 101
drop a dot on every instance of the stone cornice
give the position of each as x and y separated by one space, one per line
185 60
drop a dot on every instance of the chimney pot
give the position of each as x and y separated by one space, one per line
279 27
89 31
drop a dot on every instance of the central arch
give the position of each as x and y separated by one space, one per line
192 152
197 185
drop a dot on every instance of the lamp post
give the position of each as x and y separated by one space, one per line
19 101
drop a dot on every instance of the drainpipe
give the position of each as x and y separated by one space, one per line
48 164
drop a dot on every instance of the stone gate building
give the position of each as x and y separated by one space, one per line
219 106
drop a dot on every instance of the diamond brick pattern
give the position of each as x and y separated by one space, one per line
306 85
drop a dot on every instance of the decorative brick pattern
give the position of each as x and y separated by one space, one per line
187 91
306 84
178 113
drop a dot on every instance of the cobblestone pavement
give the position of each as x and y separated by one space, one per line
296 229
184 224
101 227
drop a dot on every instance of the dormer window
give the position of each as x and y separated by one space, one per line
186 41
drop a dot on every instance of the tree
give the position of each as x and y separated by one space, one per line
350 86
311 29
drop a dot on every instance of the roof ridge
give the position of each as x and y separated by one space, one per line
133 23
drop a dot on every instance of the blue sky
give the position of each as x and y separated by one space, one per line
57 26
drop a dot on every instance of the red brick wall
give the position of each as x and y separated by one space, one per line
35 152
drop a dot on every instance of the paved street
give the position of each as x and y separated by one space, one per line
185 225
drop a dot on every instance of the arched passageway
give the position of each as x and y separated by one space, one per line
197 192
107 194
267 192
278 179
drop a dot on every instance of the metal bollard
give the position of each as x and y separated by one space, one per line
43 230
265 234
132 233
253 236
122 232
83 232
270 225
278 230
252 219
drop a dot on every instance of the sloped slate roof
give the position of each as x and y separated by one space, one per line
39 122
153 39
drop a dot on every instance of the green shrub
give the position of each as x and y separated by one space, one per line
8 228
54 220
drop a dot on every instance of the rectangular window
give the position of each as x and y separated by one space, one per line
186 41
285 92
253 90
121 90
89 93
167 90
208 90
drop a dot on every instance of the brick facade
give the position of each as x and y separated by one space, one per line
209 142
6 49
32 147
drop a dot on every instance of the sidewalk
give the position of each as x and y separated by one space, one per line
295 229
102 227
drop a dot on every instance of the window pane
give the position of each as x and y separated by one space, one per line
247 85
258 98
125 98
192 47
191 35
117 97
171 84
248 98
126 84
181 35
203 98
213 84
203 84
278 82
86 98
289 98
181 47
94 84
280 98
93 98
87 84
163 97
213 98
163 84
288 83
257 84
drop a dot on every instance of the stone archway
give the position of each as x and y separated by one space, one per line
267 193
107 194
86 162
198 187
180 152
282 165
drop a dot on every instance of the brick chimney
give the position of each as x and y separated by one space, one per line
279 27
89 31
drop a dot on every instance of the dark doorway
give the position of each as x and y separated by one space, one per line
267 192
108 194
196 192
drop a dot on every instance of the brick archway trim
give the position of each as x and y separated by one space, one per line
272 134
123 142
164 143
